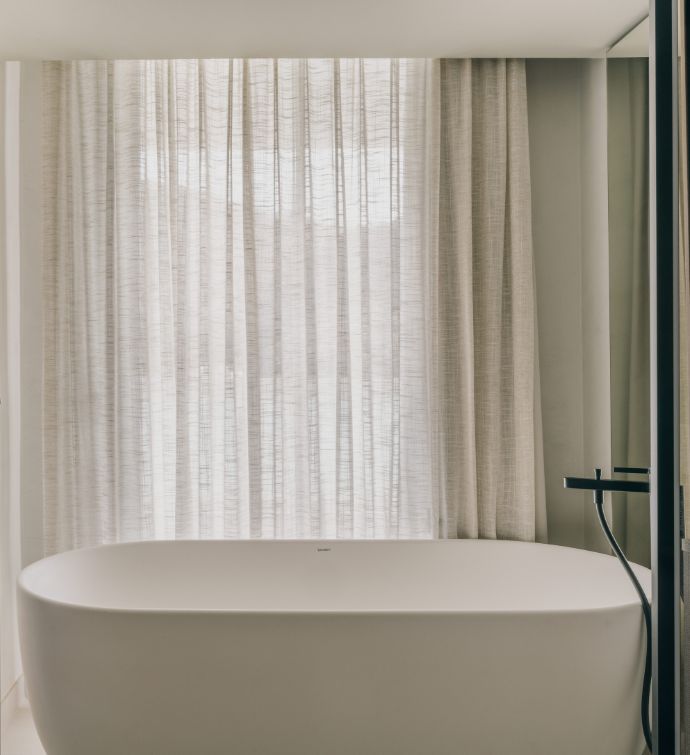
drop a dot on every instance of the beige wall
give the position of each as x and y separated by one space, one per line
10 380
31 314
20 345
567 113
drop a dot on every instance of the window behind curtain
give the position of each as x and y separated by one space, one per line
239 255
288 298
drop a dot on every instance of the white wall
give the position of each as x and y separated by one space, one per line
596 351
567 119
10 378
31 316
20 345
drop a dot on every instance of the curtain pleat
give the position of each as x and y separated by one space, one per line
288 298
486 352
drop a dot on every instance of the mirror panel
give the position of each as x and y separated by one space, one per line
628 215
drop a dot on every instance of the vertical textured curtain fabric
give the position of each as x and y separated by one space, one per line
288 298
486 303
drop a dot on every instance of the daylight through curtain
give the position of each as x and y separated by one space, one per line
288 298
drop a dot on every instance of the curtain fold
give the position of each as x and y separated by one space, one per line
288 298
487 302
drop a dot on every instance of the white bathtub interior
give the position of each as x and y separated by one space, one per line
333 576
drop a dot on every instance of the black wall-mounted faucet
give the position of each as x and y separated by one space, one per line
600 486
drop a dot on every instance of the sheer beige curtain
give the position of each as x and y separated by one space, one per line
486 347
288 298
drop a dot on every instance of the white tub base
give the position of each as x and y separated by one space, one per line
376 648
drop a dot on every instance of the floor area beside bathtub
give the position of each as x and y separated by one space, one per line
17 733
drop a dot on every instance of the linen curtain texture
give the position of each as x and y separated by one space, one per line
288 299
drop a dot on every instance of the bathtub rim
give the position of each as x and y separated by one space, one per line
24 590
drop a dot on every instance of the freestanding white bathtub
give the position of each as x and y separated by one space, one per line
333 648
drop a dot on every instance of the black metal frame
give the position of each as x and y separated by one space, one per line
606 486
665 507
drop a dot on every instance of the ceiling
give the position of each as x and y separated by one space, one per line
635 44
35 29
